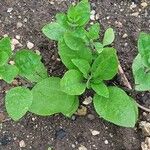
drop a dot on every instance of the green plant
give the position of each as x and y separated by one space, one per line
90 64
141 64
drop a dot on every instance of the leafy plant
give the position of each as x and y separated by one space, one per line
90 64
141 64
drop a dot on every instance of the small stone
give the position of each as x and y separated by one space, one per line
22 143
60 134
73 117
133 5
90 116
5 35
37 52
92 17
97 16
135 14
82 148
49 148
25 20
15 42
19 25
87 101
108 17
11 62
145 126
9 10
144 5
81 111
125 35
106 142
17 37
15 82
146 145
94 132
118 24
30 45
73 146
93 12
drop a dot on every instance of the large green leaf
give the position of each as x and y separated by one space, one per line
8 72
3 58
30 66
73 42
54 31
144 48
66 55
109 37
101 89
105 66
119 108
82 65
5 45
72 83
17 101
94 31
79 14
48 99
141 74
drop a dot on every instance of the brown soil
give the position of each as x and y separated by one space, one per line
58 132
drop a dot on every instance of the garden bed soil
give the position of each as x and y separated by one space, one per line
24 19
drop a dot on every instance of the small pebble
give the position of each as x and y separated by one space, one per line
94 132
81 111
106 142
93 12
144 5
11 62
133 5
125 35
15 82
92 17
17 37
135 14
30 45
25 20
22 143
118 24
19 25
37 52
145 126
146 145
90 116
9 10
87 101
60 134
82 148
73 146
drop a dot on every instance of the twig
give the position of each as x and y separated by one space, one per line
128 85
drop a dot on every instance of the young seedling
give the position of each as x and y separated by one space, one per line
90 64
141 64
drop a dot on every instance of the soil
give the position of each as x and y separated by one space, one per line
58 132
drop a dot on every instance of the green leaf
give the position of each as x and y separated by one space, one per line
94 31
73 42
105 65
98 46
18 101
48 99
72 83
8 72
30 66
101 89
82 65
141 74
3 58
109 37
5 45
144 48
66 55
54 31
119 108
80 14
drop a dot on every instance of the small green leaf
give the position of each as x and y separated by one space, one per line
98 46
30 66
18 101
72 83
3 58
5 45
48 99
8 72
94 31
54 31
73 42
101 89
82 65
66 55
105 65
144 48
141 74
119 108
79 14
109 37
